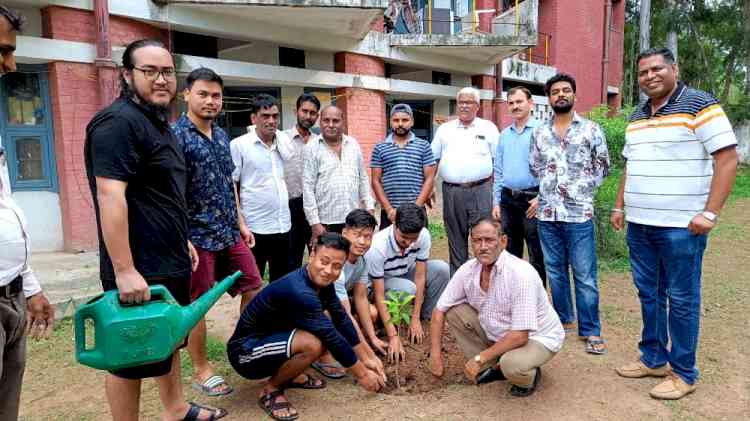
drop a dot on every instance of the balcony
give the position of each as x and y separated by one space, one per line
350 19
455 28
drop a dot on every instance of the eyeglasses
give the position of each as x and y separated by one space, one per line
153 74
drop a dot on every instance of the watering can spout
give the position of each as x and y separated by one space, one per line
192 313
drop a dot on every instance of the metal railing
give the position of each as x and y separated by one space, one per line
540 53
401 18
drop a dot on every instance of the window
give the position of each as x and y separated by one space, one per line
26 129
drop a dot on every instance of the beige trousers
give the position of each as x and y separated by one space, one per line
518 365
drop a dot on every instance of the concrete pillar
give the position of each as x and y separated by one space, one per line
485 19
364 109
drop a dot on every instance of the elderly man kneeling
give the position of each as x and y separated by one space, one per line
499 313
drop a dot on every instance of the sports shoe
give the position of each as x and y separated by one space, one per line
672 388
637 370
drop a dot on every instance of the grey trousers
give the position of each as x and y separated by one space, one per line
437 279
463 206
12 354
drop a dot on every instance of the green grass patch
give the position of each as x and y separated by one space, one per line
437 230
741 189
216 351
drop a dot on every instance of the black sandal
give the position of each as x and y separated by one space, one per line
310 383
268 403
195 410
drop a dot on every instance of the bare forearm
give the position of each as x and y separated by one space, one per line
420 275
115 228
436 331
240 216
513 340
385 317
429 182
379 191
362 307
620 198
725 172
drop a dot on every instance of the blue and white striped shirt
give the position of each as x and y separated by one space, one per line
403 168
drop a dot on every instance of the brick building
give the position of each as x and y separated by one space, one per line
344 51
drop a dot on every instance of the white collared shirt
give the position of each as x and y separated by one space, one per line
15 248
294 165
465 152
259 169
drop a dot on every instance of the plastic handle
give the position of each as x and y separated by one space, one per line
80 330
159 292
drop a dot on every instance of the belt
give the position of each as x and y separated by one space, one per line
13 288
516 193
469 184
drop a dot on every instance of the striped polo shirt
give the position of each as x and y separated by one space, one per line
385 259
403 168
669 164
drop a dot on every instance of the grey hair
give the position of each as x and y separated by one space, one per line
474 92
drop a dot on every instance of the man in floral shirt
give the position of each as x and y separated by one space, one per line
569 157
216 227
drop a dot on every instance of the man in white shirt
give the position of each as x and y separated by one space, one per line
308 106
498 311
259 171
334 179
23 306
465 149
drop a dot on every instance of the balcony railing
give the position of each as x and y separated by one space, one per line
403 17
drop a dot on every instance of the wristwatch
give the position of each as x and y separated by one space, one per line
710 216
478 359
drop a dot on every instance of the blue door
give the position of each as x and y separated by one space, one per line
26 129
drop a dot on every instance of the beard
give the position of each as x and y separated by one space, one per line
562 107
400 131
160 111
305 124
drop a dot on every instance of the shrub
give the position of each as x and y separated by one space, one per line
614 126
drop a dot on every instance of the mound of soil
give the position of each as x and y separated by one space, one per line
414 372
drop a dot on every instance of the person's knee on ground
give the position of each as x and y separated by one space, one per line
517 370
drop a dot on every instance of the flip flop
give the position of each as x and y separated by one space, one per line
310 383
322 368
268 403
195 410
211 387
591 346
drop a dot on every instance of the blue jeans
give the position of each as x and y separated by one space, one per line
666 264
572 244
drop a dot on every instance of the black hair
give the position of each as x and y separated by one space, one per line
523 89
15 19
360 218
666 53
333 240
128 61
486 219
410 218
264 101
205 74
308 98
560 77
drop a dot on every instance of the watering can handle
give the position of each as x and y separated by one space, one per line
159 292
81 315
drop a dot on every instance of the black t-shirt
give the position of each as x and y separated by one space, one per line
127 142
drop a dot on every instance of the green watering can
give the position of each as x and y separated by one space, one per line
132 335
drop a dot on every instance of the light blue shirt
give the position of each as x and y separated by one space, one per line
511 165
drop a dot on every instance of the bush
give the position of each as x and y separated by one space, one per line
611 246
614 130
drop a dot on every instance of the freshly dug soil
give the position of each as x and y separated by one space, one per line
414 372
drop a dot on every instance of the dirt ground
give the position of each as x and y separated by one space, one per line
575 385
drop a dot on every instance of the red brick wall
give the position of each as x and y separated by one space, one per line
616 44
577 41
364 109
486 108
74 93
78 25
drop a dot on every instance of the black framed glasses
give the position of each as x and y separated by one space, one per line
152 74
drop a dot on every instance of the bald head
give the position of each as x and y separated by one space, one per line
332 124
